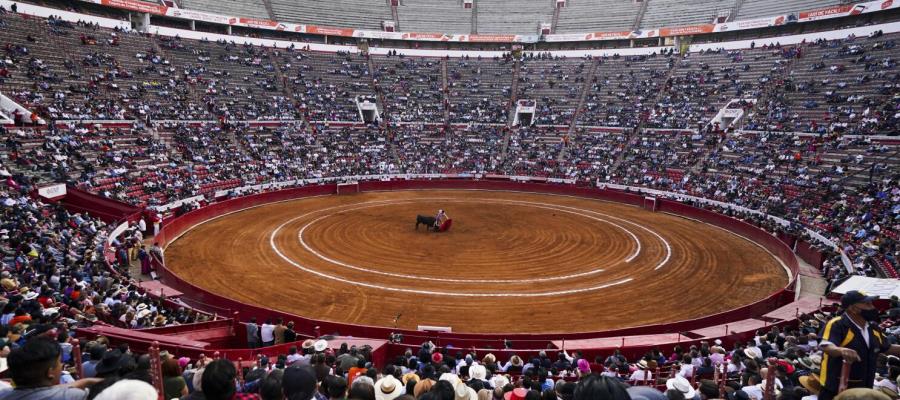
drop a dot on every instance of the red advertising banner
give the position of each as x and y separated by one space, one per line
135 5
425 36
257 22
827 12
326 30
611 35
687 30
803 16
492 38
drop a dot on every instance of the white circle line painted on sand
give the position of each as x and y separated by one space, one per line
448 200
418 291
652 232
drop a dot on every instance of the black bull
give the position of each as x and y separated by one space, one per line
424 219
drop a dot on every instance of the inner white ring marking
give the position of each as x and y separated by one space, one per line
417 277
455 294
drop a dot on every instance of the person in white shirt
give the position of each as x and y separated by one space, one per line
752 389
886 383
735 365
467 361
267 333
687 371
293 356
610 372
642 374
687 367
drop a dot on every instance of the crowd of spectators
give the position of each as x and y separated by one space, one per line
794 357
846 86
55 275
844 187
56 271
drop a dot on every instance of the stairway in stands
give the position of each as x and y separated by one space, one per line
586 87
379 96
773 85
555 21
286 88
395 15
588 77
735 10
640 16
631 135
514 91
474 17
446 88
269 10
385 112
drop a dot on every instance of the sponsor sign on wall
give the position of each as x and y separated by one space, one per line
804 16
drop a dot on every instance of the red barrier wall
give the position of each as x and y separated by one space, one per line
108 210
807 252
200 297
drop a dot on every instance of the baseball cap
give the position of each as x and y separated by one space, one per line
855 296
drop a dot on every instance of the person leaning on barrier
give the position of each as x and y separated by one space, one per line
854 337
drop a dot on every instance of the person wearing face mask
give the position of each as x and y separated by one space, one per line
854 336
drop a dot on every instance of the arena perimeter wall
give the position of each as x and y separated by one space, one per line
199 297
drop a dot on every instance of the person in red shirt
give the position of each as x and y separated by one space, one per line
20 318
357 371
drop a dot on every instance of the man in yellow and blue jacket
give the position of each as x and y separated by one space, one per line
853 336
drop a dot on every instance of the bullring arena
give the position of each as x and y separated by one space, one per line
677 195
541 263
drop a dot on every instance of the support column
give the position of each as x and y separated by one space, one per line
140 22
193 25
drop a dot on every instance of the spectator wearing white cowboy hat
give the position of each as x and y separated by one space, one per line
130 389
479 372
499 381
753 352
463 392
642 373
388 388
514 364
681 385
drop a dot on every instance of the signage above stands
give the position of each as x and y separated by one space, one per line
53 192
804 16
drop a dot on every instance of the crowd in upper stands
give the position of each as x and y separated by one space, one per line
846 86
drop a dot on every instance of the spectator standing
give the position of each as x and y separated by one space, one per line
173 383
267 333
854 337
252 334
278 331
290 335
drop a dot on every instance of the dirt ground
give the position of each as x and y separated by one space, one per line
512 262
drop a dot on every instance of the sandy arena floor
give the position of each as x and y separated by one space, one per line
512 262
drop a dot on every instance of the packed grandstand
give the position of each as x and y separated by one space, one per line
142 112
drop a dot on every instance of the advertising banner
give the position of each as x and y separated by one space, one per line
836 11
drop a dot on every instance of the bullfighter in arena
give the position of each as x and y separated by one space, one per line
440 218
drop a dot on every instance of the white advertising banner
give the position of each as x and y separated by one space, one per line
53 192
